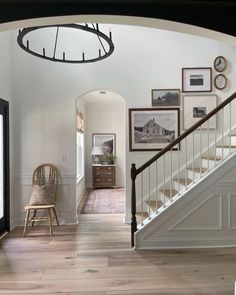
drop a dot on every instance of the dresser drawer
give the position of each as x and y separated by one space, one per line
106 170
104 176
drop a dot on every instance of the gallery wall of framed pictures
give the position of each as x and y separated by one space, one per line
156 127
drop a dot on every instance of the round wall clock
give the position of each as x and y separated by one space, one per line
220 81
220 64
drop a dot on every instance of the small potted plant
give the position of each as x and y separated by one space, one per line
110 159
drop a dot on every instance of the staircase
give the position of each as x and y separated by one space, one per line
180 169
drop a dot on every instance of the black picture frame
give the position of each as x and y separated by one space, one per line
152 129
197 79
165 97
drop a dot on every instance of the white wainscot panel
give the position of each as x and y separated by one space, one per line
66 198
232 210
209 220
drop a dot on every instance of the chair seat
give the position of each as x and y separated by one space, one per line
38 207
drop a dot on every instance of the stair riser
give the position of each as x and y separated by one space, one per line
179 187
233 140
229 139
163 197
212 163
152 210
193 175
226 152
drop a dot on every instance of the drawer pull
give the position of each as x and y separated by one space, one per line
109 179
109 168
97 179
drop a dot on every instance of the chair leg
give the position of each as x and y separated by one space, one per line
50 221
55 214
26 222
34 215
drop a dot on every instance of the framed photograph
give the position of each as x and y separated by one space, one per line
107 141
220 64
196 80
196 107
152 129
165 97
220 81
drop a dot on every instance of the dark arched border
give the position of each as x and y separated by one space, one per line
214 15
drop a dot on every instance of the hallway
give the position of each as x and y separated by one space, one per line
95 258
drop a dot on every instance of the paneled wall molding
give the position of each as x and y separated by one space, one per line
231 211
183 243
197 210
26 176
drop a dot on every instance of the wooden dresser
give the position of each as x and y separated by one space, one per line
104 175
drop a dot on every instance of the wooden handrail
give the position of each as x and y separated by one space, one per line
186 133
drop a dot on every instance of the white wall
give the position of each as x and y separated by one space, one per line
44 92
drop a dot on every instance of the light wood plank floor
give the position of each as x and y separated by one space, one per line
95 258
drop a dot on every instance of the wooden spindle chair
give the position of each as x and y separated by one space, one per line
43 197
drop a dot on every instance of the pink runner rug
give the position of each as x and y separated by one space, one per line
104 201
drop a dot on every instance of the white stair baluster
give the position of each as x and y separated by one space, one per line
156 187
215 142
193 157
171 175
186 163
208 144
200 128
149 193
222 133
230 128
142 198
164 180
178 167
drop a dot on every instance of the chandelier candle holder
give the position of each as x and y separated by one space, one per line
103 39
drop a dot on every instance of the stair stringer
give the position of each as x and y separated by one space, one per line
202 217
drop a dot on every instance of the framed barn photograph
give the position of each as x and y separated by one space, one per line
196 80
165 97
196 107
107 141
152 129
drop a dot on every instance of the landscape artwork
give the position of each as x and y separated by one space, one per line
196 79
153 129
165 97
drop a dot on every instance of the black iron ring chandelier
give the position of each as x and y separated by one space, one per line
103 53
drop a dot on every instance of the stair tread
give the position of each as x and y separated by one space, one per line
213 158
169 192
198 169
182 180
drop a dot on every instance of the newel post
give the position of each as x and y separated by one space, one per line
133 204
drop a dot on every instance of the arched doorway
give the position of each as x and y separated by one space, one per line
102 181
